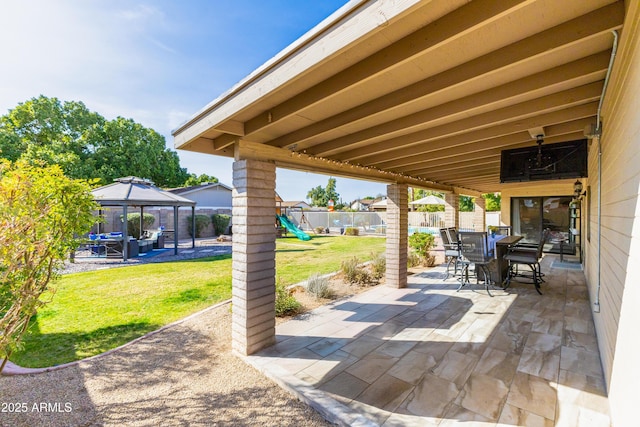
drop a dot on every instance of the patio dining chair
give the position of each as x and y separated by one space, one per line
524 255
451 250
474 251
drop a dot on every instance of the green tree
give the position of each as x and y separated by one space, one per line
320 196
86 145
41 212
124 147
317 195
194 179
330 191
45 130
466 204
493 201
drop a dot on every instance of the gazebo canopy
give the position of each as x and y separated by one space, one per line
134 191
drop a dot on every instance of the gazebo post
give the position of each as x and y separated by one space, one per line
141 221
175 230
193 227
125 234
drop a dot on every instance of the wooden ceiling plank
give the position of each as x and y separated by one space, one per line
571 32
463 173
555 102
439 157
418 152
450 161
591 66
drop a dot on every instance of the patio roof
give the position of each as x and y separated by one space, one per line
425 93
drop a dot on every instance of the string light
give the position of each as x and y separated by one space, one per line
344 165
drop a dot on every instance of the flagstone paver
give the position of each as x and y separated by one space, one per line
428 355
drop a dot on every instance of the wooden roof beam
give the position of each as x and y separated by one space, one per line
288 159
571 32
550 103
592 67
450 162
421 152
450 27
501 134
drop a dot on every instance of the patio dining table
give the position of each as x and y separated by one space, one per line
500 245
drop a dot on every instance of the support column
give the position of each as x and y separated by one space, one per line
397 235
479 214
452 210
254 245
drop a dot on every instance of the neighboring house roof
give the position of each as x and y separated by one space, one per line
194 188
379 205
363 202
295 204
134 191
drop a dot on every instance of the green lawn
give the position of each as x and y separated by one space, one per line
95 311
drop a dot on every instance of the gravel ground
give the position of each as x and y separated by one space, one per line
183 375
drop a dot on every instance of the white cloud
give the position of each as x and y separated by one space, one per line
155 62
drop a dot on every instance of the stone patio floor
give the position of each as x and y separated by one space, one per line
428 355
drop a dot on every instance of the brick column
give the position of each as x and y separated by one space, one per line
451 210
254 245
397 235
479 215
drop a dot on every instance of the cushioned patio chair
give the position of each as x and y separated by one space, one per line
474 251
529 256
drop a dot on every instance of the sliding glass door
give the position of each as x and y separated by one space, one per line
531 215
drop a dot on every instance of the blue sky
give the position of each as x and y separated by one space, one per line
157 62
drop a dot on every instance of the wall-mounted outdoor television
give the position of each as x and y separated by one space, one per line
545 162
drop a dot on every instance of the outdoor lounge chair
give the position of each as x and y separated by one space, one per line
525 255
475 251
451 250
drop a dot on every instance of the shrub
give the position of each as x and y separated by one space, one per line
363 277
352 231
413 260
202 222
318 286
286 304
220 223
421 243
355 273
133 223
349 268
41 213
378 265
